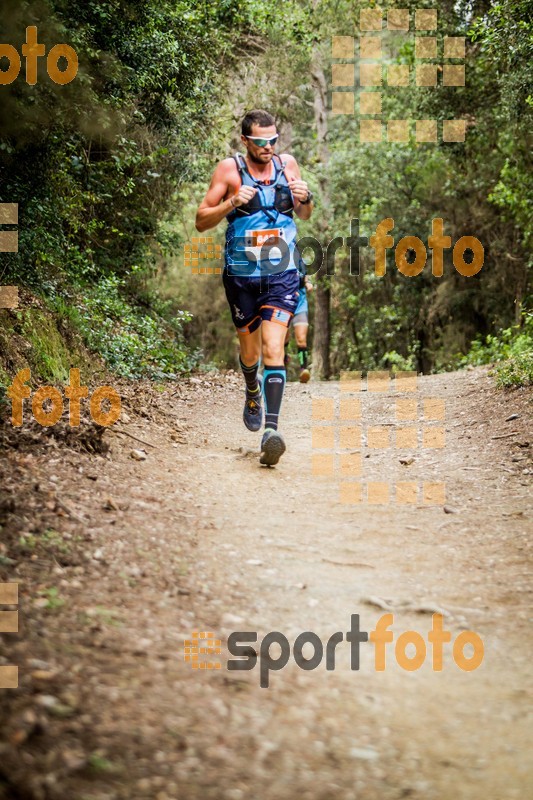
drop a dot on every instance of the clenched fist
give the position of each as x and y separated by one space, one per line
299 189
243 196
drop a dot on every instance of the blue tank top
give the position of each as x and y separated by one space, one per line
248 253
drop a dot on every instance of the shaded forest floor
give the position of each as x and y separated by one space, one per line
123 548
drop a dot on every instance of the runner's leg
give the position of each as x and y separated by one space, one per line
276 307
250 352
242 296
300 334
301 327
286 356
274 373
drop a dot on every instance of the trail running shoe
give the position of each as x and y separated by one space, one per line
253 409
272 447
304 375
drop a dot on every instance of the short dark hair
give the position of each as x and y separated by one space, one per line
256 117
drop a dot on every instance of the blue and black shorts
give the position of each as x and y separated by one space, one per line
272 298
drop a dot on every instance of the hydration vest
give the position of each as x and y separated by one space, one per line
269 213
282 201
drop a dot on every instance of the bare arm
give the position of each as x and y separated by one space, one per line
299 188
213 208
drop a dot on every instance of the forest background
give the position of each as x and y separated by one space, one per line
108 171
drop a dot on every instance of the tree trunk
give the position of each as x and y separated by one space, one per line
321 332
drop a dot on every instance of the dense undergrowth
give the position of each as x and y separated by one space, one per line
511 350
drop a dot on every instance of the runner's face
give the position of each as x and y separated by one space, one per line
261 155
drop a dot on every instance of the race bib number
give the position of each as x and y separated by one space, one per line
255 240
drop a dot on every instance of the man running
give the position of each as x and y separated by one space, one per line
258 193
300 324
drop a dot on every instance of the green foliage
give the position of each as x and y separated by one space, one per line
51 541
515 372
133 343
504 33
513 192
48 347
99 764
508 343
53 600
33 336
512 351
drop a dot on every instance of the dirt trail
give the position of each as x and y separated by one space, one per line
198 537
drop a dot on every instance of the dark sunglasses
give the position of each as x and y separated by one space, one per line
263 142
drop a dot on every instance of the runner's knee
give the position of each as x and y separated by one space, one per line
273 350
300 334
250 347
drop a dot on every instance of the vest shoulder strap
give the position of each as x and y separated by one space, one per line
282 164
240 162
281 170
247 179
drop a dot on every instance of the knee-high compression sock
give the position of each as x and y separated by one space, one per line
273 386
303 355
250 376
